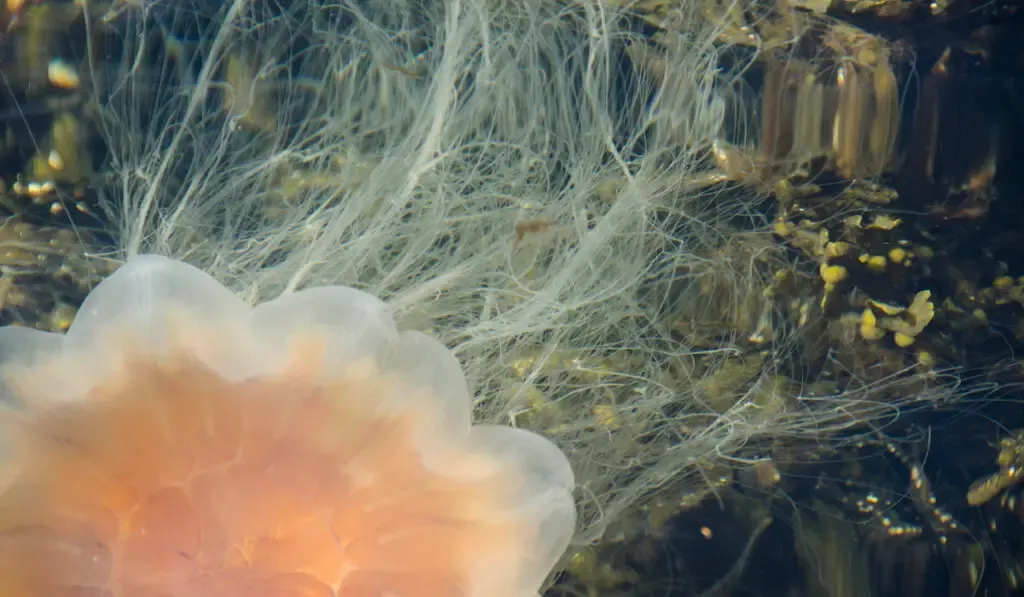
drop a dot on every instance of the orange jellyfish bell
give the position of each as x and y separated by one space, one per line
177 442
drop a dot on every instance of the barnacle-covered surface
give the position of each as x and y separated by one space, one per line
878 141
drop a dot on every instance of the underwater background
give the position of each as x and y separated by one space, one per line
875 146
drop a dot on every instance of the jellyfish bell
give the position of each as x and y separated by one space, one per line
178 442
